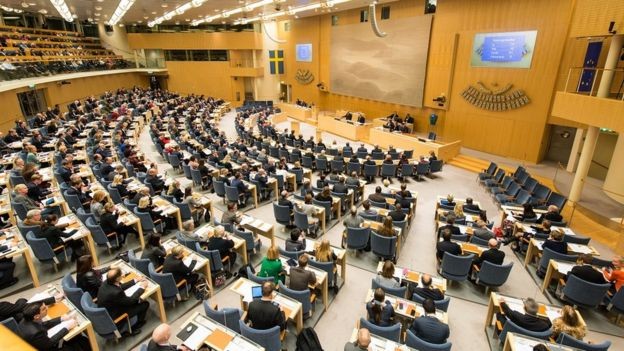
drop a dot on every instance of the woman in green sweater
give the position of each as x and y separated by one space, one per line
272 266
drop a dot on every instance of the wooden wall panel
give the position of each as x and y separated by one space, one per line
208 78
591 17
201 40
63 94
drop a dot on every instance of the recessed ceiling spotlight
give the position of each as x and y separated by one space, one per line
96 14
139 21
100 0
164 6
25 5
32 3
43 11
145 17
188 19
74 16
98 8
216 10
153 12
121 24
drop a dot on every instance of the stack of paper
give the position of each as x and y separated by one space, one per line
40 296
57 328
131 290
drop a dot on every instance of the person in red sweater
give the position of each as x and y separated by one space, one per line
616 274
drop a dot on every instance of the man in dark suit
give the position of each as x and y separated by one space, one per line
348 116
160 340
35 330
78 188
528 320
264 188
361 119
300 277
552 215
470 206
428 327
341 188
283 200
173 264
362 148
397 214
450 225
586 272
66 170
492 255
243 190
369 162
427 290
264 313
222 243
35 191
446 245
111 296
107 167
152 178
377 197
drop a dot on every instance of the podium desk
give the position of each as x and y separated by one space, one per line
383 138
303 114
346 129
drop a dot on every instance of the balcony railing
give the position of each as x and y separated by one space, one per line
585 81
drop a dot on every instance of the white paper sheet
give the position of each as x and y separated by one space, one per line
40 296
195 340
131 290
57 328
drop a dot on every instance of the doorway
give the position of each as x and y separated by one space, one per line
32 102
560 146
285 92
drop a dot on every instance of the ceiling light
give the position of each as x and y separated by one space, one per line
62 9
96 14
98 8
153 13
139 21
122 8
10 9
187 19
43 11
121 24
25 5
100 0
164 6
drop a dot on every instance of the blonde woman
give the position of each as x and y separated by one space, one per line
568 323
324 253
31 157
97 204
119 185
459 211
271 266
175 191
145 206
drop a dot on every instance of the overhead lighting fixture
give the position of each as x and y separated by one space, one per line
293 11
43 11
180 10
62 9
122 8
234 11
98 8
10 9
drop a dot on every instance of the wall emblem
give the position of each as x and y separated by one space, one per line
496 99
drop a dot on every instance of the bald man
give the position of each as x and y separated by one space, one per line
362 342
492 255
427 290
160 340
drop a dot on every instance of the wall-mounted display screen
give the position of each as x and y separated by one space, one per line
304 52
504 50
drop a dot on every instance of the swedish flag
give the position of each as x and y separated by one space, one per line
276 61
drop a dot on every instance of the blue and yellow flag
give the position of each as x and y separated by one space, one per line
276 61
591 61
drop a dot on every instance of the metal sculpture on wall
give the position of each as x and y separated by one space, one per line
501 99
304 76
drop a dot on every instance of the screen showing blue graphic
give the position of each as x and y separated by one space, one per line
508 48
304 52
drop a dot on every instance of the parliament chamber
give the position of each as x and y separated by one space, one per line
312 175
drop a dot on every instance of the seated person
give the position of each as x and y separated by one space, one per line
111 296
446 245
145 206
615 275
527 213
54 235
300 277
584 270
397 214
175 191
221 242
7 267
481 231
174 264
34 329
568 323
492 254
88 278
154 251
231 216
552 215
324 195
450 225
265 314
386 278
367 209
154 180
160 340
427 290
296 242
470 205
555 242
528 320
362 342
380 310
387 227
428 327
271 265
243 189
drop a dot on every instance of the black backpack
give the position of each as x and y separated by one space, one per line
307 340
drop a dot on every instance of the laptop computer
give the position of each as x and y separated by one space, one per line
256 292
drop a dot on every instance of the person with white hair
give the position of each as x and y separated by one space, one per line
160 340
223 243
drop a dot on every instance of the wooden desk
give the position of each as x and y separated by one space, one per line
65 307
215 335
130 219
340 126
408 142
202 265
535 248
82 233
240 245
303 114
407 308
548 311
13 235
152 291
168 209
292 308
519 342
413 277
258 226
